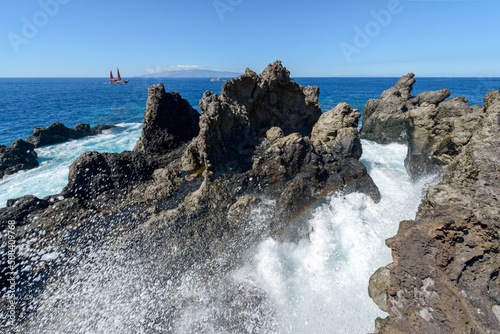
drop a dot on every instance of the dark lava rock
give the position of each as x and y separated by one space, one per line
17 209
383 119
300 170
94 173
264 155
58 133
169 121
233 124
18 156
444 278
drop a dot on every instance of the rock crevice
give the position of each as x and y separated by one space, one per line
444 276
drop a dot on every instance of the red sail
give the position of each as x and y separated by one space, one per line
119 78
111 75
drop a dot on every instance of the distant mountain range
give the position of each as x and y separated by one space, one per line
194 73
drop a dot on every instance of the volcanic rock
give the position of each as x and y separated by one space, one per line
434 97
233 124
446 262
94 173
337 132
58 133
265 155
17 209
437 133
169 121
18 156
383 119
301 170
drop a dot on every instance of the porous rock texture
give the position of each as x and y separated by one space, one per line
18 156
57 133
445 272
169 121
437 132
383 118
233 124
264 154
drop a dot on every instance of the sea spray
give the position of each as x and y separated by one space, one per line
52 175
320 285
250 284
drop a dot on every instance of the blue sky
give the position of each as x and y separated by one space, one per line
77 38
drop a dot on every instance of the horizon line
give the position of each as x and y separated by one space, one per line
166 77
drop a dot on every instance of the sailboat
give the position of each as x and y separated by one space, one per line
118 80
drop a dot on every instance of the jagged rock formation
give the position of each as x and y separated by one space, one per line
444 278
21 154
58 133
434 128
18 156
383 119
233 124
438 131
18 209
169 121
263 144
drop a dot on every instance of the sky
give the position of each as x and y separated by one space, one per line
314 38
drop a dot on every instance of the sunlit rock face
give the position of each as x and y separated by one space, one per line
444 278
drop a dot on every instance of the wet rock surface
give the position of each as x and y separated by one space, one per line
444 278
264 154
58 133
18 156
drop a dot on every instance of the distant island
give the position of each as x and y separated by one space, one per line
193 73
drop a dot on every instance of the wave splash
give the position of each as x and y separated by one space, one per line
318 285
52 175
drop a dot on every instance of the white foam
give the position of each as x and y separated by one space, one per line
50 256
52 175
321 285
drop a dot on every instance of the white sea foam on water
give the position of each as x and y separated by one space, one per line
318 285
52 174
321 285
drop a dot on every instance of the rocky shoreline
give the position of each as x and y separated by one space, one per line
444 275
193 183
193 180
21 154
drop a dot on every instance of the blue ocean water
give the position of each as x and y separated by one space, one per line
316 286
28 102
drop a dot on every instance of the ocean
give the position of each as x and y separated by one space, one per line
39 102
318 285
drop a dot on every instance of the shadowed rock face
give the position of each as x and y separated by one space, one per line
437 133
58 133
383 119
18 156
263 145
169 121
234 123
444 278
